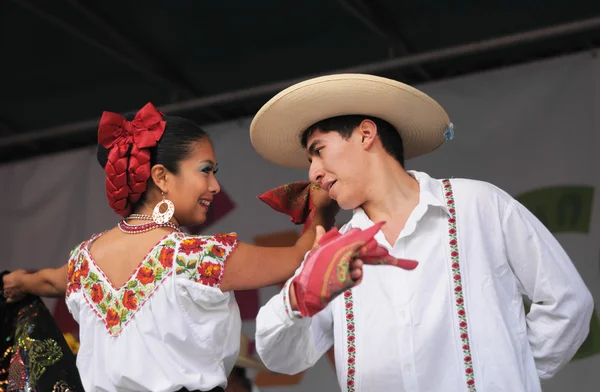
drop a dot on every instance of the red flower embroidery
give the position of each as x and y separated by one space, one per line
457 277
97 293
76 280
209 273
112 318
191 245
460 301
165 256
218 251
458 289
145 275
226 239
454 254
84 270
130 300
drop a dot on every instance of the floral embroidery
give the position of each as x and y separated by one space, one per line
200 258
351 341
76 268
458 287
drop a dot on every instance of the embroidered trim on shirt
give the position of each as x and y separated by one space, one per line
200 258
351 341
458 287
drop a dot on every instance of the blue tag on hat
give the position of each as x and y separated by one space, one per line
449 134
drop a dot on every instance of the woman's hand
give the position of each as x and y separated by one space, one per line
322 202
13 285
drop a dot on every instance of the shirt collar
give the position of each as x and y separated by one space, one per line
431 193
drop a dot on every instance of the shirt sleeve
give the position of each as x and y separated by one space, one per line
559 319
288 343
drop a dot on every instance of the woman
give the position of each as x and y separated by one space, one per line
154 305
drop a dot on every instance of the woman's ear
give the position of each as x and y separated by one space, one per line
159 175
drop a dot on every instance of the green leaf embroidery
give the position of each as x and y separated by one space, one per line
191 264
132 284
180 261
93 277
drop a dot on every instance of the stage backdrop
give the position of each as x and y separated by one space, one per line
533 130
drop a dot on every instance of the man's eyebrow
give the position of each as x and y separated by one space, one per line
313 146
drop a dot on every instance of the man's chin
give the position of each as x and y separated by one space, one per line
348 205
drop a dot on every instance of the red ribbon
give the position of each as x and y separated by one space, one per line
144 131
128 166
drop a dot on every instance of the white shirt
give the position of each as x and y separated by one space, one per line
456 322
170 326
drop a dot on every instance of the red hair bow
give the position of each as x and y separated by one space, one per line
128 166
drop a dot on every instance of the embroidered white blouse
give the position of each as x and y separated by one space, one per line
170 326
456 322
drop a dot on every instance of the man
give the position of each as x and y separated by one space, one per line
456 322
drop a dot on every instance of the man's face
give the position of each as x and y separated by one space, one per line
338 165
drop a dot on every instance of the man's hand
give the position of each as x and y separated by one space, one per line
335 265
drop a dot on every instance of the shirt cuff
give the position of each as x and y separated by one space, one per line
290 314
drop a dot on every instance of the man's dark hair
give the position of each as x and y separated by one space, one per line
345 125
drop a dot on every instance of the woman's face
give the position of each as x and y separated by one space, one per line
192 189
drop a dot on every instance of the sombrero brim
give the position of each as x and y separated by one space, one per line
277 127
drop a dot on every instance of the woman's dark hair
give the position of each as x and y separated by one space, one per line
175 145
345 125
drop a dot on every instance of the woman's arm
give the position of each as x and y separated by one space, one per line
49 282
251 267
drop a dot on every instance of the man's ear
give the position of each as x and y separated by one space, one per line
159 175
368 133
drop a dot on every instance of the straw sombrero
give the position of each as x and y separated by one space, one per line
276 129
244 360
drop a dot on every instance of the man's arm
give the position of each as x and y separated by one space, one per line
562 306
286 342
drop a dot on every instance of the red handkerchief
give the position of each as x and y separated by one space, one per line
293 200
